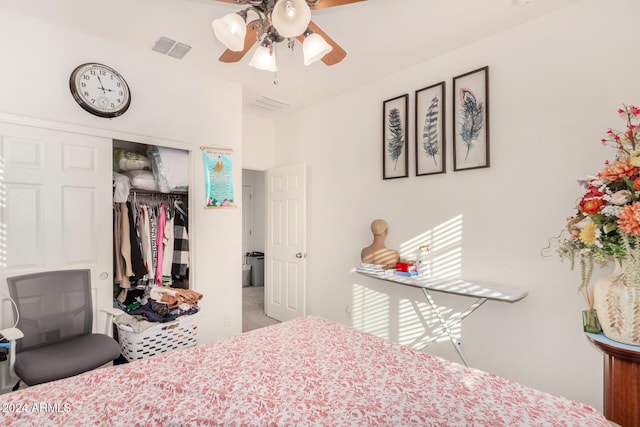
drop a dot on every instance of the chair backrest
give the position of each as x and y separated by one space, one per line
54 306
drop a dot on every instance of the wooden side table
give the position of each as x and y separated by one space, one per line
621 380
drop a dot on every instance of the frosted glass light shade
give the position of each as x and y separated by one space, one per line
291 17
230 30
314 48
264 60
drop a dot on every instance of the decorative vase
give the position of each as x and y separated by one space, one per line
590 321
617 302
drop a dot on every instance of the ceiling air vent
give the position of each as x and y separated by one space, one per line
166 46
268 104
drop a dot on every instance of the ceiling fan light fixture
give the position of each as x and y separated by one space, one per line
314 48
291 17
264 59
231 30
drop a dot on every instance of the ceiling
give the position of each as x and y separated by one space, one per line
380 37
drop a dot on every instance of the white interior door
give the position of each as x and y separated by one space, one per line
56 212
285 254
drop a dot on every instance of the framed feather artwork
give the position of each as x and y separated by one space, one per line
471 120
395 136
430 138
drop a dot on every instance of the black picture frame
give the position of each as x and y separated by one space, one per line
430 138
395 137
471 120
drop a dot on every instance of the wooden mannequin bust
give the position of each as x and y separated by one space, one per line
377 253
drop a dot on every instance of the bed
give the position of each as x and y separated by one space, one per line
304 372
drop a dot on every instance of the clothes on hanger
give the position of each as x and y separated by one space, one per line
145 246
180 265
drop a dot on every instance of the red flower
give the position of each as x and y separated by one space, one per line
592 192
591 205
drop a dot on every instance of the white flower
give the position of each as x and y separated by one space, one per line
610 210
621 197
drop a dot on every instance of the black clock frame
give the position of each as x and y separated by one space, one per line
88 107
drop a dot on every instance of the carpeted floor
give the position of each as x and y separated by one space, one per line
253 316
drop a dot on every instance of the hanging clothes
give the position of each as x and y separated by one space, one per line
145 242
180 243
117 256
143 225
153 237
137 263
159 242
125 247
168 247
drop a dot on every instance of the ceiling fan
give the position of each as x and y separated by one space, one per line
278 20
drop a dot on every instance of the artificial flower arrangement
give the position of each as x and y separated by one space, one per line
606 224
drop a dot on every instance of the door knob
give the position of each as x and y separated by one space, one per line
300 255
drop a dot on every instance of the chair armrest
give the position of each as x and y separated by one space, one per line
11 334
111 312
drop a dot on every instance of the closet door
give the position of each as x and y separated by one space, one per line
56 209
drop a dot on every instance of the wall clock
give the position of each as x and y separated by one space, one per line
100 90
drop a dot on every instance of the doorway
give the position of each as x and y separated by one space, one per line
253 241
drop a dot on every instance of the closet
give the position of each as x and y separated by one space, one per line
150 219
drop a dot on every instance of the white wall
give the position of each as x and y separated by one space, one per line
555 86
170 106
259 142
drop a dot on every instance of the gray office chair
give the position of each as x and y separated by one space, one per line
55 314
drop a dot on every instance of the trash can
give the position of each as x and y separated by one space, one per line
256 261
246 275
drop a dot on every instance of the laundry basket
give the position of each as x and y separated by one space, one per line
161 338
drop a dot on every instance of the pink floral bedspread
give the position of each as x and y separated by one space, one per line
304 372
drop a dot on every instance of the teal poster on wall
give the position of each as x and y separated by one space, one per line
218 174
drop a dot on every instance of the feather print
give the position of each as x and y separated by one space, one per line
471 118
429 133
396 139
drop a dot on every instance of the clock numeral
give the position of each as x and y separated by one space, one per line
85 93
83 84
85 77
103 73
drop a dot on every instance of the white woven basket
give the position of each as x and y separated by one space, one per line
164 337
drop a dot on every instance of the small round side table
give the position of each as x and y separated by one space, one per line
621 380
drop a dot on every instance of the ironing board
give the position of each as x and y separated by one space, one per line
481 291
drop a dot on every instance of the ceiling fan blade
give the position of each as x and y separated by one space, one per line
336 55
250 39
322 4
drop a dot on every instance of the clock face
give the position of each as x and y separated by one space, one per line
100 90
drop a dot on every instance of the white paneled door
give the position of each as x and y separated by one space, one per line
285 255
55 210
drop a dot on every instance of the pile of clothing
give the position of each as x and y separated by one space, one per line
162 304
